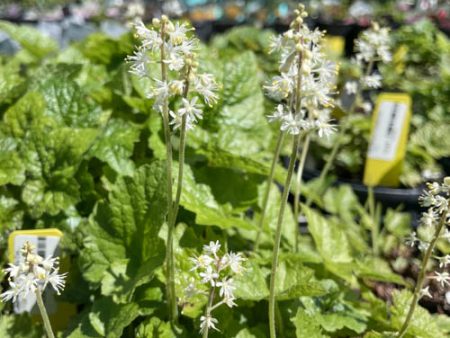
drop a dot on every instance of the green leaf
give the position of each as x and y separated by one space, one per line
252 284
238 121
306 326
333 314
11 214
30 39
331 242
12 85
105 319
122 247
155 328
18 326
198 199
50 154
68 105
378 269
12 169
116 145
293 280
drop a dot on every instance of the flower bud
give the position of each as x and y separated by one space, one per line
156 23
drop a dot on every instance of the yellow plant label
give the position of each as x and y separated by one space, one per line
387 148
334 45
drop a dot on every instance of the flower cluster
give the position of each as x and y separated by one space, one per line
437 199
173 46
306 82
31 275
215 274
373 45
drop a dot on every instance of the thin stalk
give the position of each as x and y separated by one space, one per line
44 315
421 278
276 155
170 274
208 310
301 167
276 249
372 213
338 143
181 153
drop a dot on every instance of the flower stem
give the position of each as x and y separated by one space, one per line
276 248
421 277
208 310
372 213
276 155
181 153
44 315
171 297
301 167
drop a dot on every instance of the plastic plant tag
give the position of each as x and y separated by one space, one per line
46 242
387 148
334 45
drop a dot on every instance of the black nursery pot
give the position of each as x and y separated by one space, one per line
388 197
203 29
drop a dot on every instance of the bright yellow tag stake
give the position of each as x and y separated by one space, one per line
390 128
334 45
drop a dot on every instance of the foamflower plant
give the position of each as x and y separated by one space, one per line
304 89
214 277
31 277
173 47
437 219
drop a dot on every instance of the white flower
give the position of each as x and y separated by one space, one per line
277 115
160 92
373 45
208 322
294 125
174 59
209 276
442 278
425 292
372 81
351 87
428 218
444 261
201 261
57 281
441 204
280 87
235 261
191 109
412 239
427 199
366 107
275 43
33 274
212 248
205 85
178 34
324 127
176 87
423 246
150 39
139 61
226 288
